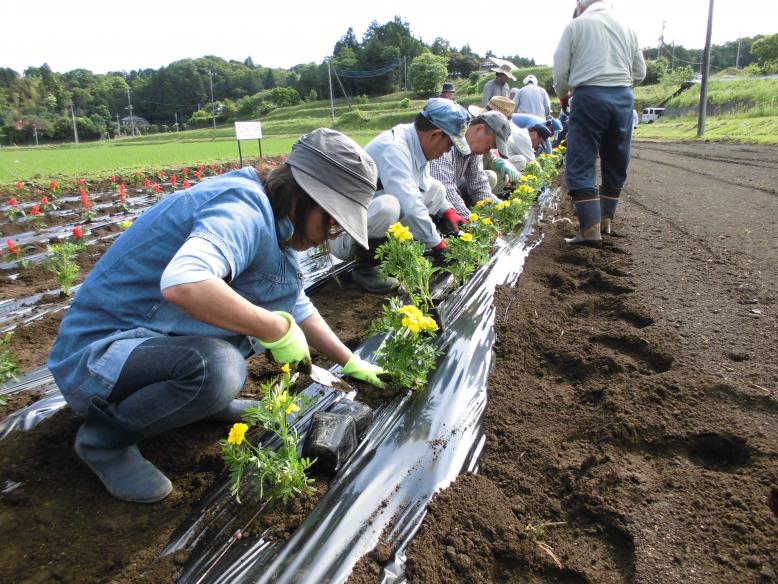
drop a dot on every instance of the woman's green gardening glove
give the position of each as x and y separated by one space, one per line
359 369
292 348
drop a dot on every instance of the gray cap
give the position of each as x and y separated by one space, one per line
501 127
339 175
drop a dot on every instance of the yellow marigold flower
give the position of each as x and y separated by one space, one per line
487 221
400 232
428 323
286 369
466 237
125 224
526 189
410 311
473 217
503 205
411 324
292 408
483 203
528 177
237 433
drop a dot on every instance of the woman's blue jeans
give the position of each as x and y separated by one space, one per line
169 382
600 126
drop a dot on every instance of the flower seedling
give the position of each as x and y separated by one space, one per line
47 206
403 258
87 212
77 238
15 253
54 189
408 354
62 263
14 212
281 473
123 206
36 217
9 370
465 253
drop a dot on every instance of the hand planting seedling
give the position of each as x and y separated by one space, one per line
281 473
62 263
408 354
403 258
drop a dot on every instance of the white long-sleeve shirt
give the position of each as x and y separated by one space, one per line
597 49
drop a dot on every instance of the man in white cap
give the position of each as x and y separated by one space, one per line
598 60
463 175
406 192
498 85
532 98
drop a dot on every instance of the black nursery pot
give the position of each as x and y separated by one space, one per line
331 439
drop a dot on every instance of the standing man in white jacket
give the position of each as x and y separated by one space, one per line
598 60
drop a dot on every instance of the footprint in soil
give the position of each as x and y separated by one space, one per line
612 308
712 450
637 349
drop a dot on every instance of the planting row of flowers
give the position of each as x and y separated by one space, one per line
408 352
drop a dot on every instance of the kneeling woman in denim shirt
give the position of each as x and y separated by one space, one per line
158 334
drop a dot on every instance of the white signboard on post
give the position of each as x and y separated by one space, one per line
248 130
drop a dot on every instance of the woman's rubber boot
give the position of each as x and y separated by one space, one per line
609 200
111 452
587 207
367 273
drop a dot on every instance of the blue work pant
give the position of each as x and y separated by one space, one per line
169 382
600 125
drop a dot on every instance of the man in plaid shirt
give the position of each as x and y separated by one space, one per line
463 176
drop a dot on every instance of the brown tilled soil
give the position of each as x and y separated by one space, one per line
631 424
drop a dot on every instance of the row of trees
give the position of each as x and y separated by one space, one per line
43 102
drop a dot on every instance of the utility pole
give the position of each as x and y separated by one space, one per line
672 59
176 124
73 117
118 126
705 74
132 117
213 105
35 133
332 101
661 40
737 57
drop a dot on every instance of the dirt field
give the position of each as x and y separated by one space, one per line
631 426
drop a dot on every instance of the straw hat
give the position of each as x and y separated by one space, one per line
505 70
498 103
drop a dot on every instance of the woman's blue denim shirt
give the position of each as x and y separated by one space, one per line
120 303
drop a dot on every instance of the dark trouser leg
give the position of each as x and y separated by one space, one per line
167 382
615 153
367 273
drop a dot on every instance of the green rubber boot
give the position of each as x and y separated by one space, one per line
111 452
609 200
587 207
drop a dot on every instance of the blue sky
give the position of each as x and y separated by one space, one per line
145 34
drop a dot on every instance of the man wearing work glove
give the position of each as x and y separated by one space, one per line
158 334
463 175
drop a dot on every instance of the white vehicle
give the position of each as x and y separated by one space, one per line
651 114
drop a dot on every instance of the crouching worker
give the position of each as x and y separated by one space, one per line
158 334
406 192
